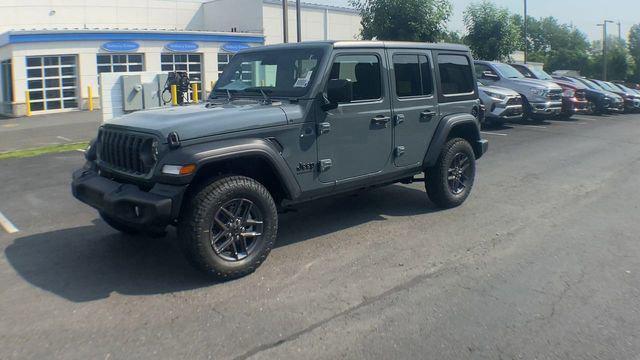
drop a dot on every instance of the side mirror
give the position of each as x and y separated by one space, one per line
490 76
338 92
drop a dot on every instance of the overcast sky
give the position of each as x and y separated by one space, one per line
584 14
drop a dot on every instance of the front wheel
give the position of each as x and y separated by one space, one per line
229 227
450 181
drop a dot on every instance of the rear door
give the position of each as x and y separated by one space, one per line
415 106
355 139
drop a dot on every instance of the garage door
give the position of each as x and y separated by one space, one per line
52 82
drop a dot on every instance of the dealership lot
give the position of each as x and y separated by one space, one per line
541 262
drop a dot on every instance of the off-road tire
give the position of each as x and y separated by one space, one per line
195 226
437 182
121 226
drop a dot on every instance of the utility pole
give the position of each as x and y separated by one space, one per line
285 20
526 41
299 20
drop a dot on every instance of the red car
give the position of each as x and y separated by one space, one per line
574 98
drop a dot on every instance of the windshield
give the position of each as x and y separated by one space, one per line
508 71
274 72
591 84
541 74
606 86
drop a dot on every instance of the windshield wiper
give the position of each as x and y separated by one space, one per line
265 97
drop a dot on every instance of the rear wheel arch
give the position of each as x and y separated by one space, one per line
464 126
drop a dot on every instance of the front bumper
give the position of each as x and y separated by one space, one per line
127 202
575 106
546 108
480 148
616 107
504 113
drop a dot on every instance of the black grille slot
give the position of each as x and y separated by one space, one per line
515 101
126 152
555 95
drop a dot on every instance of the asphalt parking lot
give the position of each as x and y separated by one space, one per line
542 262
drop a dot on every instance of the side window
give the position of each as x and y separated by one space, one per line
524 71
363 71
413 75
456 77
481 69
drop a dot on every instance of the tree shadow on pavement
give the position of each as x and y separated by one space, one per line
90 262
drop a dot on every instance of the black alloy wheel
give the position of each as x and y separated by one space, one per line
237 228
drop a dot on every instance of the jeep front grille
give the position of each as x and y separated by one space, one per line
131 153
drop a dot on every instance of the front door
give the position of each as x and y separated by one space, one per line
414 104
356 138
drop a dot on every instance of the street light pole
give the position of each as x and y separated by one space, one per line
526 42
619 30
299 20
604 48
285 20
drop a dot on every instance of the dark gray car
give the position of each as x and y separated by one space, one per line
287 124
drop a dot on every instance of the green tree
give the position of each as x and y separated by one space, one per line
620 64
492 33
407 20
452 37
558 46
634 51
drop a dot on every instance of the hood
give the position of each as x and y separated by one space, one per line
539 84
497 90
198 121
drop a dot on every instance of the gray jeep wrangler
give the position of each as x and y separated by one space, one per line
287 124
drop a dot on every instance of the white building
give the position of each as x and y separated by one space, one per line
54 49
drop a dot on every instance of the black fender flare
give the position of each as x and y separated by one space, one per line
445 127
205 154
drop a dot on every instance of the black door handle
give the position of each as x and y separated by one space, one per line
381 120
427 114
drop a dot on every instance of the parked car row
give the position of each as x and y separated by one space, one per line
517 91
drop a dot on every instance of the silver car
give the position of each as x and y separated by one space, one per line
500 104
540 98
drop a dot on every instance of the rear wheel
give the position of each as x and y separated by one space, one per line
229 227
450 181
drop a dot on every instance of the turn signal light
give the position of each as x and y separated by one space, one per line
179 169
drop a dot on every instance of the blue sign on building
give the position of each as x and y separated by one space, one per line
182 46
235 47
120 46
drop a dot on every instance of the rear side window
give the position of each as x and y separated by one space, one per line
413 75
363 71
456 76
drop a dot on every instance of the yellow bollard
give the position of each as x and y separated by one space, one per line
90 91
196 96
27 100
174 95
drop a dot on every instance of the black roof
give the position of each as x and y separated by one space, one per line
370 45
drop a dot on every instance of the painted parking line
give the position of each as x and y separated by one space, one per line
64 138
493 133
585 119
535 126
7 225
